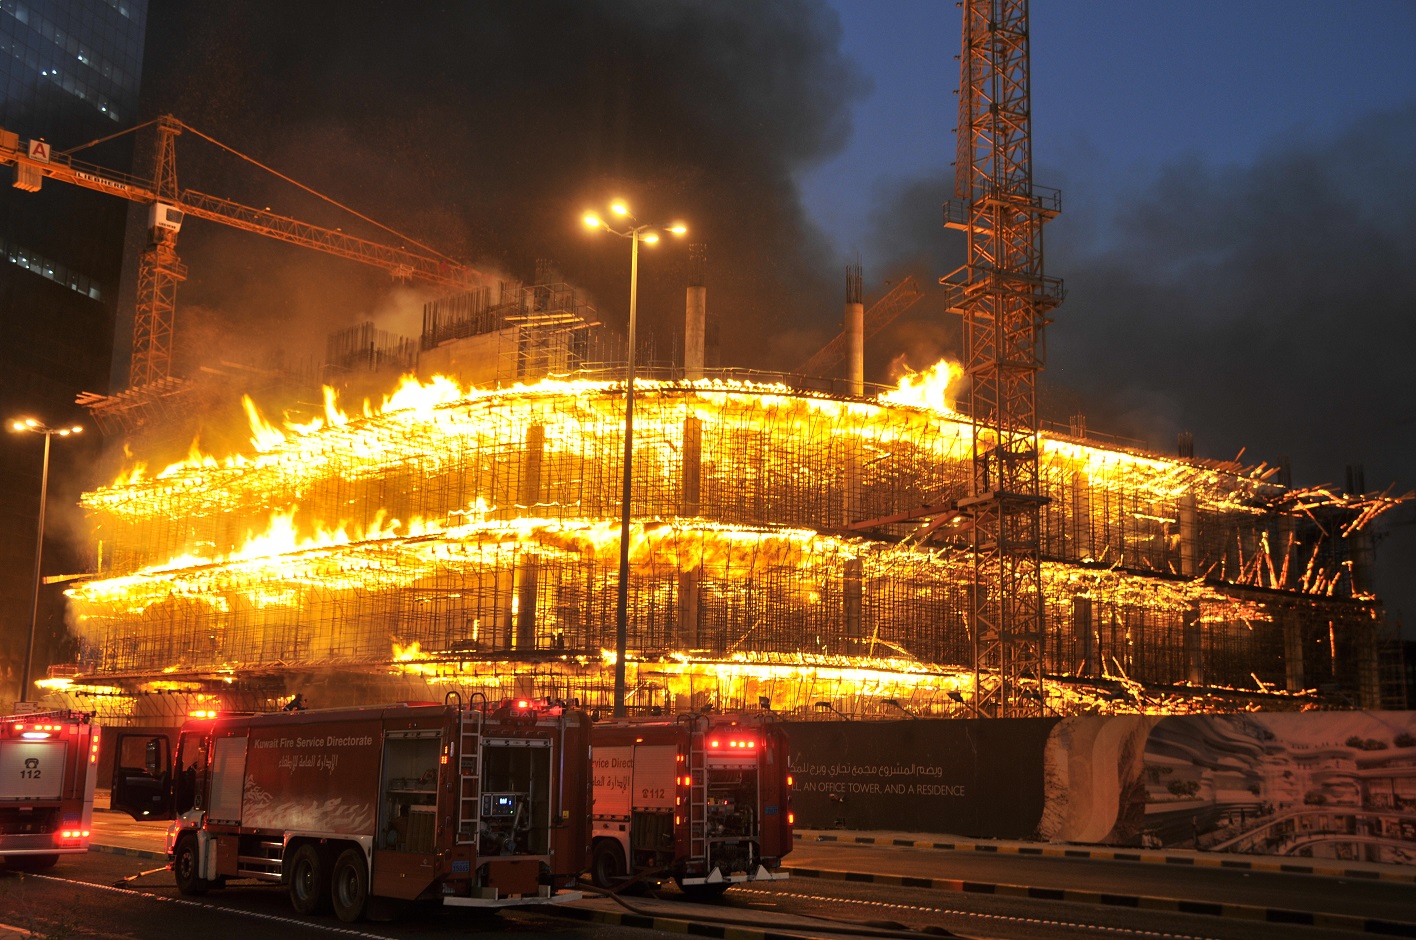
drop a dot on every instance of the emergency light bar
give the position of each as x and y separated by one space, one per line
744 743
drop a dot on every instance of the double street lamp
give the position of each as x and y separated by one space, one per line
632 229
31 426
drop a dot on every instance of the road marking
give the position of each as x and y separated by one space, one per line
918 909
255 915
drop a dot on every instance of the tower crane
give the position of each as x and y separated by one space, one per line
1004 299
160 270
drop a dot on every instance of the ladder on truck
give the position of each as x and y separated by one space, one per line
469 780
698 794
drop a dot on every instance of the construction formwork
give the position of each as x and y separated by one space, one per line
475 533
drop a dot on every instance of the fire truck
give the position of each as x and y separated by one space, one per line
705 800
48 763
472 806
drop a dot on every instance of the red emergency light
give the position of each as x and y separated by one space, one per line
743 743
71 836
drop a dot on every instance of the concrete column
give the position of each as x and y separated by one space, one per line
530 493
854 328
1085 634
1193 639
1189 535
853 591
689 633
504 590
1082 540
527 581
850 483
692 466
695 324
695 327
855 355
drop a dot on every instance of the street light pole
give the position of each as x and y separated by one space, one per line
34 427
636 233
622 598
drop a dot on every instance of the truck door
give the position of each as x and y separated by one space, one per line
189 788
142 776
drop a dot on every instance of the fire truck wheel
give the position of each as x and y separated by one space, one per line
185 867
607 864
349 886
309 881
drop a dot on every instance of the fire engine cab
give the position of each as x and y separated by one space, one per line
705 800
48 763
478 807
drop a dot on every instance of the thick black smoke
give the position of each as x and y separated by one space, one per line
484 129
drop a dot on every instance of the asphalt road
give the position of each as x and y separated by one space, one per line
885 890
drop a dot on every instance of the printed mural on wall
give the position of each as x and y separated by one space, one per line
1335 785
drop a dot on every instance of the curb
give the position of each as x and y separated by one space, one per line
1396 875
1268 915
124 850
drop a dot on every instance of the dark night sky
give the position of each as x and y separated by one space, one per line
1238 219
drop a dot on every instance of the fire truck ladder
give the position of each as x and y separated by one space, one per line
469 780
698 794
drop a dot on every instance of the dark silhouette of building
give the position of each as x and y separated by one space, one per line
69 74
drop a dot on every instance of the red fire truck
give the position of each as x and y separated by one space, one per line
705 800
48 763
479 807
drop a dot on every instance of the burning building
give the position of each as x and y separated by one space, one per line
467 537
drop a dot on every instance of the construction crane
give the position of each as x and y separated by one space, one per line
881 314
160 270
1004 298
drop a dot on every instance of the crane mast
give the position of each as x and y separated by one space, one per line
1004 299
160 270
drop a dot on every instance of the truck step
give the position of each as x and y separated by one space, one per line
257 866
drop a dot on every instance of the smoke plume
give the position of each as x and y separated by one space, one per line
485 129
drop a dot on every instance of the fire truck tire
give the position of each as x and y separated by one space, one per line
185 864
309 880
607 869
349 886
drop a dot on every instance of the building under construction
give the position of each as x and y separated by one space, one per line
468 537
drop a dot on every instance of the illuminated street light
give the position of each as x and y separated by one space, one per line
32 426
636 233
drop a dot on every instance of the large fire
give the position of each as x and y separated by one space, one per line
446 528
